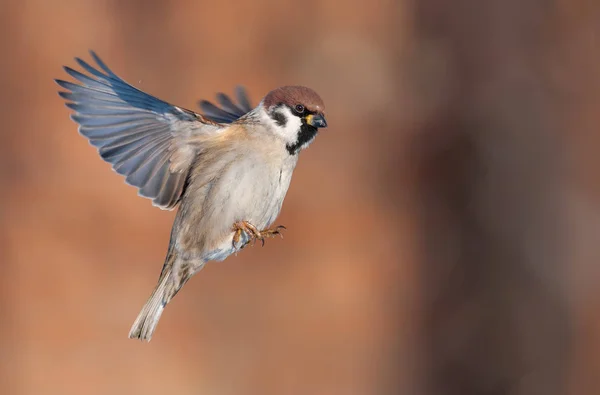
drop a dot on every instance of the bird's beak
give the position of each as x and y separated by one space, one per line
316 120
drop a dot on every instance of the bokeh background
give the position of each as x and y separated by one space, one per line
443 232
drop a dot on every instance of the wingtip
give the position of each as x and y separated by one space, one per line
203 102
99 61
62 83
240 92
75 117
94 55
242 97
79 60
69 70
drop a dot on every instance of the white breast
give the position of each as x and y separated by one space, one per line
257 190
252 188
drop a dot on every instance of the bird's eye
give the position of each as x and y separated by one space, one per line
299 108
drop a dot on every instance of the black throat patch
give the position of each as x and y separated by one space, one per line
306 134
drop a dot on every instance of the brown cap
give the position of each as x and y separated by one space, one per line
294 95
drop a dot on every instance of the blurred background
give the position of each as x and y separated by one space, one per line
443 232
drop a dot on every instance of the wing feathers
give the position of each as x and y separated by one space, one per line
144 138
243 99
227 104
215 113
107 132
229 111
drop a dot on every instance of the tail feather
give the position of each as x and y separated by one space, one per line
172 278
146 322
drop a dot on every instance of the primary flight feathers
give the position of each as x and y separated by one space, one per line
144 138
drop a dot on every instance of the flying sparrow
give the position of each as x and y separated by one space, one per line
228 169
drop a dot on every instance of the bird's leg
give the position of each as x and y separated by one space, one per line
272 232
249 229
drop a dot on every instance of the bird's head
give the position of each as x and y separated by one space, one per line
295 113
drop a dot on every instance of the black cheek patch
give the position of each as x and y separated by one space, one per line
279 118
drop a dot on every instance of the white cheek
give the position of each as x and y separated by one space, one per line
289 132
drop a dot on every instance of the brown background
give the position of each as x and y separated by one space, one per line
444 231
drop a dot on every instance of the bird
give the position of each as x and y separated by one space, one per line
227 169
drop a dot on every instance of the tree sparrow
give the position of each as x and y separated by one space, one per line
228 169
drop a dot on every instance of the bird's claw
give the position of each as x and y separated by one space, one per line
253 233
274 231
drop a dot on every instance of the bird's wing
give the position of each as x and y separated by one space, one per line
229 111
145 139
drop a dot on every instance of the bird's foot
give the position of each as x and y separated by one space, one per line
247 228
272 232
253 233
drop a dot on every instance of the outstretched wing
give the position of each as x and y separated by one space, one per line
144 138
229 111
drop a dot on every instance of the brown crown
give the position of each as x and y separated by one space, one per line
293 95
